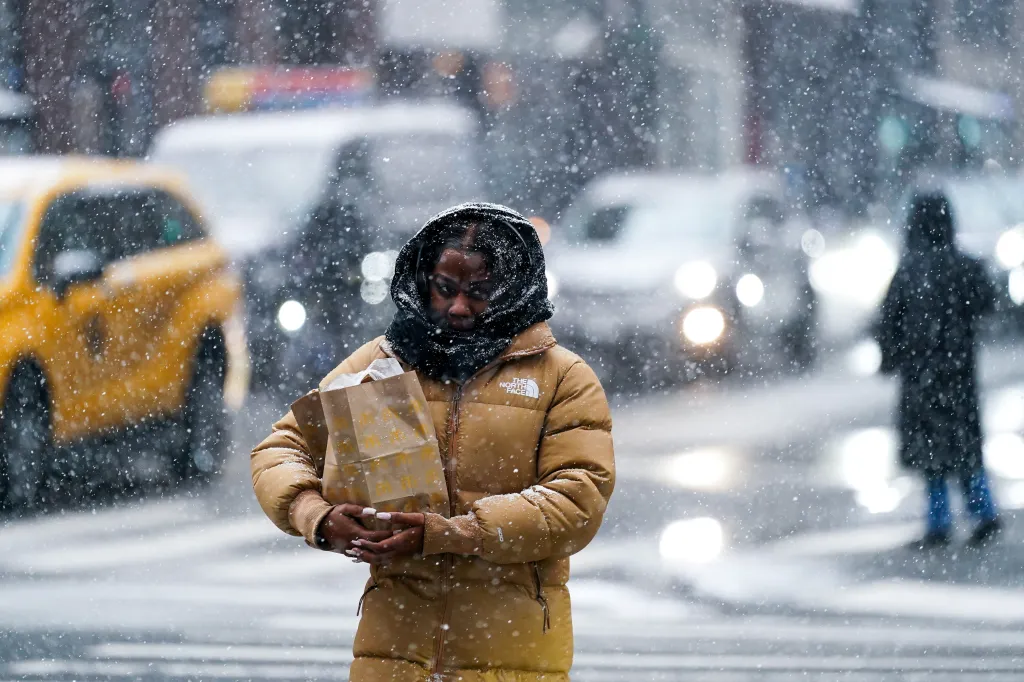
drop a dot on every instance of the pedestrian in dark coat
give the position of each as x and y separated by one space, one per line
927 334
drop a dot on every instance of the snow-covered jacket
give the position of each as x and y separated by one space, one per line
527 448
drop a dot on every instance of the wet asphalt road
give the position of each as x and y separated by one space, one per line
756 534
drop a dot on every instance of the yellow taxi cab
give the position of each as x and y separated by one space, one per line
117 315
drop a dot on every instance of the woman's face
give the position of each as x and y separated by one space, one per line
460 289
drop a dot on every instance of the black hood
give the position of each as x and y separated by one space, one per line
520 298
929 224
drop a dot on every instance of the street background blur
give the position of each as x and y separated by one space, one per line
720 186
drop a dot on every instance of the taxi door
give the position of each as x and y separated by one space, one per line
165 260
75 317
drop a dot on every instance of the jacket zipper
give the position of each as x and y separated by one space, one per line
446 559
541 599
370 588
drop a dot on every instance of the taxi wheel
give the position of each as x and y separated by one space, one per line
205 418
25 439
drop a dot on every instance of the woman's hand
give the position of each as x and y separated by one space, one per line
405 539
341 528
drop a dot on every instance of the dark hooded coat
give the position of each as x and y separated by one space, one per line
927 334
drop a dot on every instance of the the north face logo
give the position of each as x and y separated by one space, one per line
526 387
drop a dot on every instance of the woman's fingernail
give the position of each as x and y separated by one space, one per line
357 543
369 511
384 516
395 532
351 552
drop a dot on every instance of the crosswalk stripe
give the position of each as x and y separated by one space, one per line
748 630
298 566
206 661
147 669
863 540
931 600
212 652
71 528
180 543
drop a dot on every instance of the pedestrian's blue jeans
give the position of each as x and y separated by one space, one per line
977 494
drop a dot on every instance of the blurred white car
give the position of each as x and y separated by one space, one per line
313 205
651 270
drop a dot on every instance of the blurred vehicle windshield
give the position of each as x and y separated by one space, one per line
683 220
275 183
416 175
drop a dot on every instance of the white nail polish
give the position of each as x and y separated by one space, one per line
350 552
384 516
369 511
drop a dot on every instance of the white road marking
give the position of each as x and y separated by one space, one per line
71 528
863 540
184 542
218 661
300 565
760 662
214 652
746 630
928 599
140 669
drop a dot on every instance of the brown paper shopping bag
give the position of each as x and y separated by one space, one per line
381 449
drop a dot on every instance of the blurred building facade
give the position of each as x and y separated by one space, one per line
847 97
105 74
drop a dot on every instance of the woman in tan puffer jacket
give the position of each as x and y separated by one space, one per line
525 434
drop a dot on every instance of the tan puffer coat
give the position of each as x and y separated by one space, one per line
528 457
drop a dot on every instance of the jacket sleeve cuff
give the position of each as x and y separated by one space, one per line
457 535
306 512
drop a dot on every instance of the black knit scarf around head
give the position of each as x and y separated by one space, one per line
520 297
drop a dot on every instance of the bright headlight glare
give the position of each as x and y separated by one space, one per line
703 325
859 273
1010 249
696 280
750 290
291 316
376 266
1015 284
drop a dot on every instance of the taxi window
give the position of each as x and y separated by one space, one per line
79 222
158 220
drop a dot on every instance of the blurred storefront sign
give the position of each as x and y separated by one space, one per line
247 88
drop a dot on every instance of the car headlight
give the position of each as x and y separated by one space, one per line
291 316
1010 249
703 325
696 279
750 290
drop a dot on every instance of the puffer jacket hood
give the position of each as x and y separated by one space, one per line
520 297
527 450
